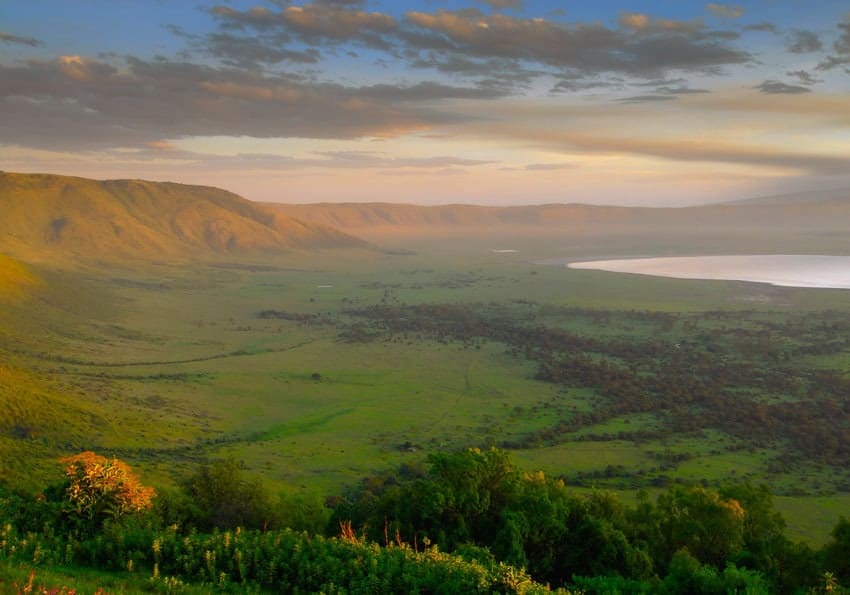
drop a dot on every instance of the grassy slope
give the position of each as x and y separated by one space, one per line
39 416
47 217
17 281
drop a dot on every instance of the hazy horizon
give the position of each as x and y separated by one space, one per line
490 102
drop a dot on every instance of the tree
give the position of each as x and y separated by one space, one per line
101 488
765 546
836 554
709 526
221 496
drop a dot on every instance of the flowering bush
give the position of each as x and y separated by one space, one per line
101 487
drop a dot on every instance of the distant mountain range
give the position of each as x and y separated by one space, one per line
49 219
837 195
46 218
802 211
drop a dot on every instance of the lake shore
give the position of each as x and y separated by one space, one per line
783 270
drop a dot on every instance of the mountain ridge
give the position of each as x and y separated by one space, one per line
359 218
808 197
48 217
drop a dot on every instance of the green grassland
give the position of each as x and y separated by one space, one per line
171 366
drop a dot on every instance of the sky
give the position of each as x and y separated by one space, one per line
628 102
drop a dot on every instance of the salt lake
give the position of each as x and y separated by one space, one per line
788 270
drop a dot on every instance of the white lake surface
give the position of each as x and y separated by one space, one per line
787 270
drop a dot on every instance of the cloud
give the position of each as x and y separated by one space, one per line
548 166
661 82
805 77
642 47
573 85
254 51
160 145
313 23
738 128
777 87
670 86
646 98
509 52
726 11
509 72
368 159
801 41
448 171
428 91
634 20
680 90
83 70
172 158
249 52
841 48
8 38
702 151
500 4
81 103
320 21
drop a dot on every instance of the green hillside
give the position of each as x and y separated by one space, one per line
48 218
16 280
39 419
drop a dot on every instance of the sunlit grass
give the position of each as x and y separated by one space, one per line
171 366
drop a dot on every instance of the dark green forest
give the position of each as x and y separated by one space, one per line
466 521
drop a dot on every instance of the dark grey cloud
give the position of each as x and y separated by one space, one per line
646 98
85 104
258 37
471 43
510 72
680 91
841 48
429 91
641 47
254 49
801 41
251 52
8 38
258 17
572 85
661 82
805 77
771 87
314 23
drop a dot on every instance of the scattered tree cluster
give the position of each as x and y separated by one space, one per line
742 373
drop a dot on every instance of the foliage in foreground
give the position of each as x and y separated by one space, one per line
493 520
272 559
691 537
